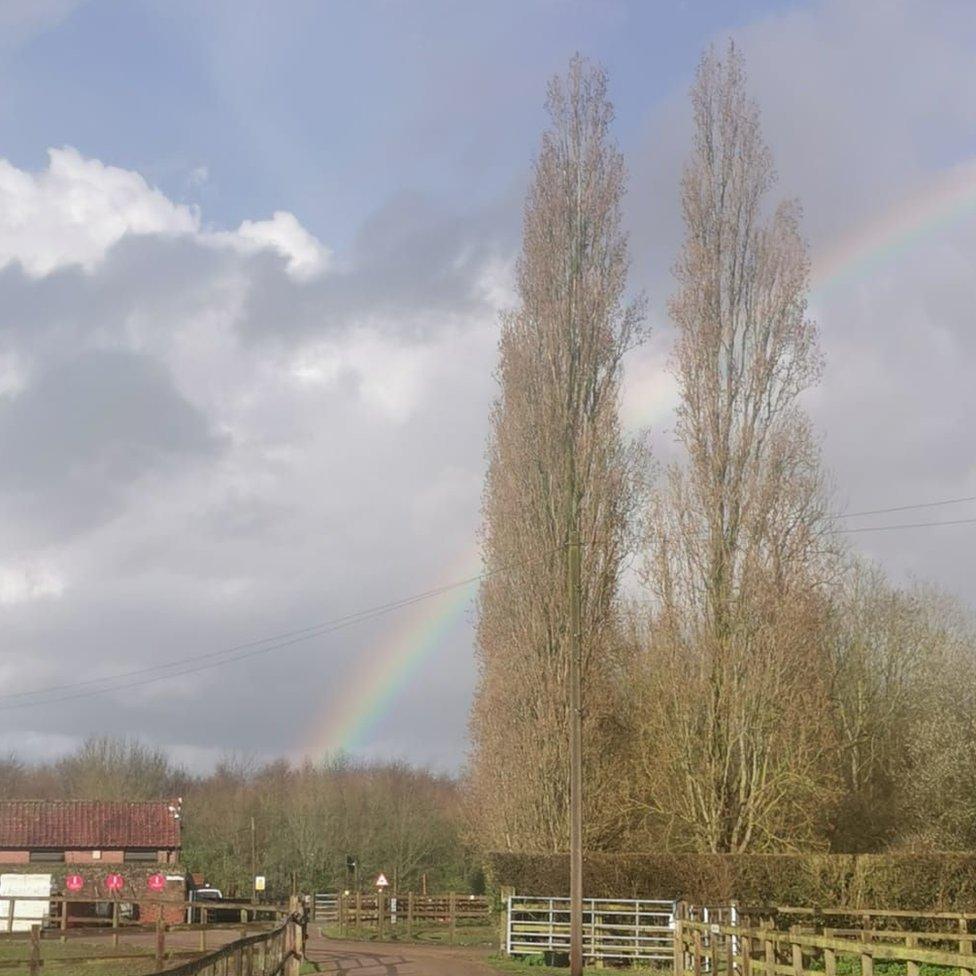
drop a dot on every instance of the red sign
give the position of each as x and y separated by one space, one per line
156 882
74 882
114 882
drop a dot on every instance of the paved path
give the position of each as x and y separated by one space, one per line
339 958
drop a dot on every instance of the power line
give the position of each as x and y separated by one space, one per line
906 508
229 655
906 525
310 631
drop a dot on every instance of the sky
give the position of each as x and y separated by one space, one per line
252 260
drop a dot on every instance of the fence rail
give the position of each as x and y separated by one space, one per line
717 949
275 953
404 912
135 941
639 930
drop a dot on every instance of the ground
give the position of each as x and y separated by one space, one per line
340 957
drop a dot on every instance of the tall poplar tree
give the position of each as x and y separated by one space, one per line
555 443
736 743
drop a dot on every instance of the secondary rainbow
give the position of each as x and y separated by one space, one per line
379 677
944 201
382 673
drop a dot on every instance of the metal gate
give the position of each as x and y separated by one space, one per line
325 906
639 930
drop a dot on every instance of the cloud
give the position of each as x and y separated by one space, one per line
305 256
206 441
75 210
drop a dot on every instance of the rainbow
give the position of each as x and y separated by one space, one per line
381 674
944 201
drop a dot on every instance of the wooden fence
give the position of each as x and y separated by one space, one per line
275 953
116 938
744 948
407 912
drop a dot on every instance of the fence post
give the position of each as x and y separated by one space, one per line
769 948
679 950
452 909
830 958
35 950
867 964
911 942
203 931
160 941
64 919
965 945
797 952
10 913
293 940
409 914
115 922
359 909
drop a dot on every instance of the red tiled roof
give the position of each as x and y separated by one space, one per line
70 824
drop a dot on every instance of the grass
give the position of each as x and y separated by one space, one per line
533 966
75 954
464 935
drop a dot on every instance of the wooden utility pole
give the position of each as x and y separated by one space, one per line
254 865
575 749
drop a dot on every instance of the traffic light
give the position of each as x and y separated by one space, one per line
350 863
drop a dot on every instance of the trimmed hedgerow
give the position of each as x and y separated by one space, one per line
910 881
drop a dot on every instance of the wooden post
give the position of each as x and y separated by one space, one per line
203 931
911 942
34 965
115 922
830 957
452 910
769 950
679 950
409 914
10 913
359 909
797 952
965 945
696 950
867 964
64 919
293 940
160 941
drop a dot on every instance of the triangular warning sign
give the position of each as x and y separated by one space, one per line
381 882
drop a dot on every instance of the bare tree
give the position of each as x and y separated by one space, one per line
734 746
556 448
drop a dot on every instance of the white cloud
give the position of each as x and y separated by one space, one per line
389 376
75 210
305 255
21 584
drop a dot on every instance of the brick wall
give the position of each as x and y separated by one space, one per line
135 890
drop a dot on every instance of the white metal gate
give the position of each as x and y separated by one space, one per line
325 906
639 930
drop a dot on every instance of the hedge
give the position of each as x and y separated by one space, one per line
909 881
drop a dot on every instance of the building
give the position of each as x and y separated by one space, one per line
96 849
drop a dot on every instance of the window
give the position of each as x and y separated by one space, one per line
46 856
140 855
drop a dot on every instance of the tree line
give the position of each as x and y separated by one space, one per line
750 683
280 820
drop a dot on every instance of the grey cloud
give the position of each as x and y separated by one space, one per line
87 428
